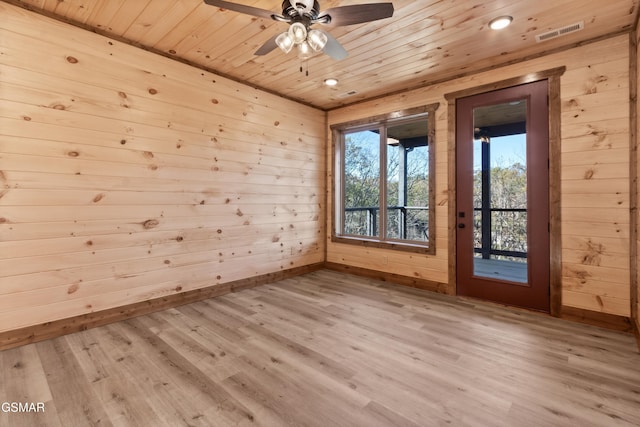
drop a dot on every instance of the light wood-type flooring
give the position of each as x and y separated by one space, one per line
329 349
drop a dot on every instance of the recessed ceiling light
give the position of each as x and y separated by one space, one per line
500 22
331 82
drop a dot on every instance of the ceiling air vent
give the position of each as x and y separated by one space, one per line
347 94
560 32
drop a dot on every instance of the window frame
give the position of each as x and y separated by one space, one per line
382 122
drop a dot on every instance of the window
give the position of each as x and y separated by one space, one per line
385 179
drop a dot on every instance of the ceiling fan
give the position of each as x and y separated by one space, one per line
301 15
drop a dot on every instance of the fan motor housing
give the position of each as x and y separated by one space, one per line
301 8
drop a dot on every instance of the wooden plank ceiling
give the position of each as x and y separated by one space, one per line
425 41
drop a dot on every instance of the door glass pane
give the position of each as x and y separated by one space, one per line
362 183
500 191
408 181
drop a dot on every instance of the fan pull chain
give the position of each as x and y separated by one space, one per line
302 69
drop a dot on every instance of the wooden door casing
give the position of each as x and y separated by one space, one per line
535 293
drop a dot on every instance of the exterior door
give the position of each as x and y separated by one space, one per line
502 187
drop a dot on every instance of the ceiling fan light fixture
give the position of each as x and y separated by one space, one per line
301 15
317 40
298 32
500 22
304 50
285 42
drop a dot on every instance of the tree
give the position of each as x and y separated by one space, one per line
362 187
508 191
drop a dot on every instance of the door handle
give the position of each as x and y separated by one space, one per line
460 225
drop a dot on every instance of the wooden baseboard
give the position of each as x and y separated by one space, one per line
603 320
413 282
48 330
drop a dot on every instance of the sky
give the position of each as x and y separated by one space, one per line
505 151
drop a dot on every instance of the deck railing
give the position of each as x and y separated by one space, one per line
406 227
486 247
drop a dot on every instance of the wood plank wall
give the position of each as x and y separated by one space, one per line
594 180
125 176
635 296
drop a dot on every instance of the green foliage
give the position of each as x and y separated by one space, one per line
361 172
362 187
362 194
508 191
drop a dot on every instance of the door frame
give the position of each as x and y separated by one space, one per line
534 293
555 265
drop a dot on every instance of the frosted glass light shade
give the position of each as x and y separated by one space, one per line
284 42
304 50
298 32
317 40
500 22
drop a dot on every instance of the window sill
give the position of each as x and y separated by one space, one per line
399 246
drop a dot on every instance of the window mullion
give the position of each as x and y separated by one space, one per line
383 183
340 157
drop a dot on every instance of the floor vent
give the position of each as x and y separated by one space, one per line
558 32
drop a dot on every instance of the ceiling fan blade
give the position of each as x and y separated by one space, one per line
267 47
358 13
248 10
334 49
